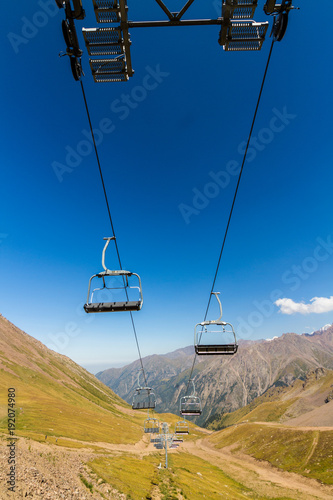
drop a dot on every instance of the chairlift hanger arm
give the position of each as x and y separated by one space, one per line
127 42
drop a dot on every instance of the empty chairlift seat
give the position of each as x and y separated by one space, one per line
108 42
144 399
178 439
107 11
155 439
239 31
239 9
152 426
117 291
215 337
182 428
190 405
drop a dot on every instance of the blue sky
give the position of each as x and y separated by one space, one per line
161 155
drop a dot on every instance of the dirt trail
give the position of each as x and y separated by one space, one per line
313 447
53 472
293 427
260 476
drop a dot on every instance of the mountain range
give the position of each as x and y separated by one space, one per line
226 383
77 439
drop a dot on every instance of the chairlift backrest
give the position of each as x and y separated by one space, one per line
190 405
226 338
106 284
182 427
152 426
143 399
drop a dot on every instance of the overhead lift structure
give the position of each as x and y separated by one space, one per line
238 31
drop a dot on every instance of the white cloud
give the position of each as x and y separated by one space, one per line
317 305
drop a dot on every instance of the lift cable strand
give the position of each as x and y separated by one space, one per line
235 195
111 222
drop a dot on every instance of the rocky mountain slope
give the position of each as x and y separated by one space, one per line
227 383
302 403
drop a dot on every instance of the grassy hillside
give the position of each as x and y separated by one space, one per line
187 477
55 396
306 452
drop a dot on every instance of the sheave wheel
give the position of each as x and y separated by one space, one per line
66 31
76 68
280 26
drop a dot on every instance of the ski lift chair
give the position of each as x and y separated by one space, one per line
96 306
143 399
154 438
152 426
182 427
190 405
178 439
219 328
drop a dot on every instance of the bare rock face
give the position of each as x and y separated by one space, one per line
226 383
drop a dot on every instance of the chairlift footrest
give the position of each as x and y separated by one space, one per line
105 41
109 67
107 11
110 77
239 9
243 35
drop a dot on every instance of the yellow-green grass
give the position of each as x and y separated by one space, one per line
197 479
128 474
47 407
187 475
265 408
52 440
268 412
286 448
